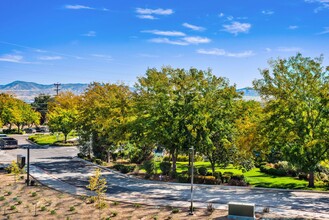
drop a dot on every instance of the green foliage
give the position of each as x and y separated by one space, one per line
40 104
2 198
53 212
72 208
14 169
297 102
43 208
149 167
165 167
34 194
202 171
98 185
13 207
175 210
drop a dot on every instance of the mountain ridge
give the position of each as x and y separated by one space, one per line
26 91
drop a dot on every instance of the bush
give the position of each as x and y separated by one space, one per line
53 212
182 158
12 207
149 166
124 168
43 208
303 176
99 161
211 180
175 210
72 208
165 167
2 198
195 171
203 171
183 178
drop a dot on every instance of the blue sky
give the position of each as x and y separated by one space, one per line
116 41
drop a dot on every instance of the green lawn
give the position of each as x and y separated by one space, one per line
255 177
50 139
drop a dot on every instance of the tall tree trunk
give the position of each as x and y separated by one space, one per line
174 158
311 180
65 138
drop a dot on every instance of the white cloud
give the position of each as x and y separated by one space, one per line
78 7
193 27
325 31
293 27
268 49
165 33
168 41
222 52
323 4
12 58
50 58
267 12
237 27
221 14
288 49
147 55
230 18
90 34
159 11
196 40
150 17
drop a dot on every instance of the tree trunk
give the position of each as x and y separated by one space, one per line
311 180
65 138
173 161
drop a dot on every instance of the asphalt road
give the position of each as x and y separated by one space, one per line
57 162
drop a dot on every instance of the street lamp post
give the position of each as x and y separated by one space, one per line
192 177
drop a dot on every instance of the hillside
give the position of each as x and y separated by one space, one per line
28 90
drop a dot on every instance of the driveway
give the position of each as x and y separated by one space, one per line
57 167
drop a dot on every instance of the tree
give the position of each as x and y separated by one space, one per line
177 108
103 117
63 113
97 184
40 104
296 91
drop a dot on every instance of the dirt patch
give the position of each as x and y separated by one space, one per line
18 201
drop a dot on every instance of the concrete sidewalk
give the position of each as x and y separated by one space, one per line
157 194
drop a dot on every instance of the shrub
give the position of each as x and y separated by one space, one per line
12 207
195 171
115 203
175 210
53 212
19 202
137 205
302 176
43 208
182 158
210 180
34 194
165 167
149 166
2 198
183 178
99 161
114 213
202 170
72 208
210 207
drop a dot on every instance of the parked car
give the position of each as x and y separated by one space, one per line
42 129
3 135
8 143
30 130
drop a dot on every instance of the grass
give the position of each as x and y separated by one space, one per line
254 177
51 139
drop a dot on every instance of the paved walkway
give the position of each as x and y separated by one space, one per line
73 177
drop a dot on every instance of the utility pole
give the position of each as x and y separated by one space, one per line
57 88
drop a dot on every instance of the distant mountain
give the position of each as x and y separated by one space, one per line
28 90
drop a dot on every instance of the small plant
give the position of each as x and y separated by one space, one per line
108 218
155 217
137 205
53 212
2 198
175 210
19 202
114 213
8 193
34 194
210 208
72 208
43 208
115 203
12 207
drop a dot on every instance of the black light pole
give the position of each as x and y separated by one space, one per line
192 174
28 166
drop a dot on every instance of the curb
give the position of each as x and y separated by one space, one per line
204 185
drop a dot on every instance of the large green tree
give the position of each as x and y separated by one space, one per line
180 108
40 104
296 91
103 117
63 113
